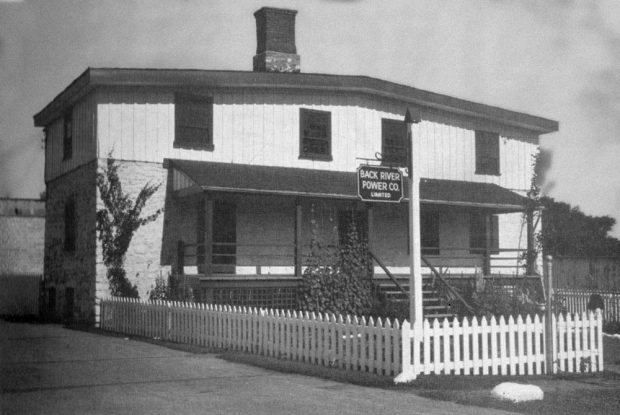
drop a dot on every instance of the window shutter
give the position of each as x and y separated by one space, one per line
429 233
394 142
67 140
194 122
70 227
315 134
487 153
495 234
477 233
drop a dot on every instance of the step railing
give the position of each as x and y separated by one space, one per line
388 273
451 290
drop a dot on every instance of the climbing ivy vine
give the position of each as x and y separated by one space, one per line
117 222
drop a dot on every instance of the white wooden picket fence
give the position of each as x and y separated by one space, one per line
348 343
470 347
576 301
507 347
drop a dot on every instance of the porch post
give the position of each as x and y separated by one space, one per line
530 258
298 242
486 269
208 238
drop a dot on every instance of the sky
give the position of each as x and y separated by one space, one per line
558 59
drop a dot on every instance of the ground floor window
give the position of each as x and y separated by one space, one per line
478 233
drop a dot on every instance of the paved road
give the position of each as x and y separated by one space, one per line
51 370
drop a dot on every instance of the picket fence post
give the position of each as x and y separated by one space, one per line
549 318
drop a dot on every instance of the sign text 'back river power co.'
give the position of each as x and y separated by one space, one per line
379 184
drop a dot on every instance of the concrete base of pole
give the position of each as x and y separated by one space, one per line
406 376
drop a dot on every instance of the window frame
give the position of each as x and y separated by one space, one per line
70 226
391 162
67 135
182 141
486 150
304 114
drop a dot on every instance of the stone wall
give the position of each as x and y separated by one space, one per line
21 245
83 270
147 257
76 269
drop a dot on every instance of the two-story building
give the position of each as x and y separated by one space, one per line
251 162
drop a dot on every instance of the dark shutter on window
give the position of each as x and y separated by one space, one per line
194 121
487 153
70 226
429 233
67 140
315 134
394 142
477 233
494 234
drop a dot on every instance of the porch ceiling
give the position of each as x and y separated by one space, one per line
196 176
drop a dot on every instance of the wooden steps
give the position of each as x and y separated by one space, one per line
432 305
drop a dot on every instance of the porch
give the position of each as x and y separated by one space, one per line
247 229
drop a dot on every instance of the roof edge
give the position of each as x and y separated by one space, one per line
132 77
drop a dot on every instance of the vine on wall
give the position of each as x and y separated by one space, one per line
339 280
117 222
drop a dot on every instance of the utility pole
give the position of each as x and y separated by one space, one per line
412 331
415 276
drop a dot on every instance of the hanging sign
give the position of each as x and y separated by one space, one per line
379 184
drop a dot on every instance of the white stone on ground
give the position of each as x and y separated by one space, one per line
517 392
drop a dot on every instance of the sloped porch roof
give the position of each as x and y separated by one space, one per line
196 176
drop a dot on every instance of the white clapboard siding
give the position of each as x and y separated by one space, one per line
262 128
84 140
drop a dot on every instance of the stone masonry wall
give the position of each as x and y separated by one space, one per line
145 259
76 269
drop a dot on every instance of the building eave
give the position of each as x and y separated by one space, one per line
189 78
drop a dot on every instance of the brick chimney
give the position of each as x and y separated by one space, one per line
275 46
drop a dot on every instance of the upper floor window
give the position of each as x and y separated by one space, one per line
315 134
67 137
193 117
487 153
478 228
394 142
70 226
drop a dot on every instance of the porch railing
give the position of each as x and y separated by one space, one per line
287 259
